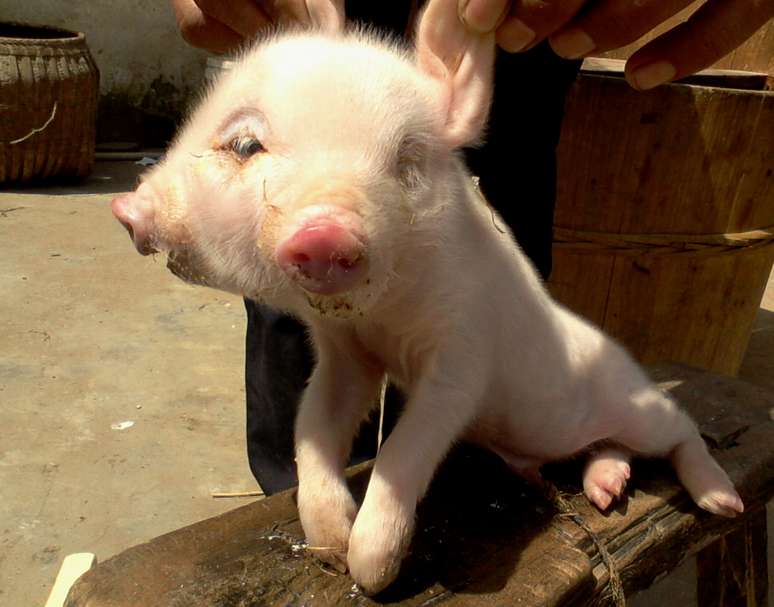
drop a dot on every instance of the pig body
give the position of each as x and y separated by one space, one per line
321 177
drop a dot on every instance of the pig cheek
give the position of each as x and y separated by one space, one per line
185 264
171 225
233 227
176 233
271 223
391 216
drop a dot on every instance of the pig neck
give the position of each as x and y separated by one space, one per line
460 253
458 271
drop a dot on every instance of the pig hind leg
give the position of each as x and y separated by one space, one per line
605 476
655 426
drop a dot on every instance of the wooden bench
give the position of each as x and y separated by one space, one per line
485 537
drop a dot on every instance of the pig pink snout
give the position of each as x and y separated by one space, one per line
324 257
135 212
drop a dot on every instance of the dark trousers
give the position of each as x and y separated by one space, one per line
517 171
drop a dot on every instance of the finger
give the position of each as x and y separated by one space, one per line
530 21
610 24
245 17
712 32
326 14
287 11
482 16
202 31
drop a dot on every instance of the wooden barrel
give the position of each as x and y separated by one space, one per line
664 228
48 103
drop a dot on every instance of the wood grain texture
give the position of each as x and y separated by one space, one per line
484 537
733 572
680 160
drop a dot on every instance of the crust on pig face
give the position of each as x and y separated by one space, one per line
344 121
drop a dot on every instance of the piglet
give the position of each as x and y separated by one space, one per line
321 176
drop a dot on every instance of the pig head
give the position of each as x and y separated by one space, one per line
288 183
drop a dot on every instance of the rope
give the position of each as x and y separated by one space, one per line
579 241
615 586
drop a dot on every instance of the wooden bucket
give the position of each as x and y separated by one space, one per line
48 103
664 227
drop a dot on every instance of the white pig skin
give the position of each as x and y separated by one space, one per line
357 152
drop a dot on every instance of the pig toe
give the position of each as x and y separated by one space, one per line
605 477
599 497
722 502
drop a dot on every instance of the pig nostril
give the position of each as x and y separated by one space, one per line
324 257
347 264
127 227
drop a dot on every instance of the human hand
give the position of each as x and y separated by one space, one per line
222 26
576 28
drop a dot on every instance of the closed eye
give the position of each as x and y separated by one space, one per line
411 161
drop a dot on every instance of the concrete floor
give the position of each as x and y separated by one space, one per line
92 335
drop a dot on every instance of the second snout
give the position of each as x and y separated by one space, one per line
326 255
136 215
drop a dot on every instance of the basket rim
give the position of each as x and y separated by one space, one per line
65 38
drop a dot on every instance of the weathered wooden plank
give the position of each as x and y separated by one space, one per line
733 572
484 536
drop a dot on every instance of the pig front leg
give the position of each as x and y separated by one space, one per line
343 387
435 416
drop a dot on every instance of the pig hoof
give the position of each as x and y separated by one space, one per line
377 546
722 501
327 523
705 480
372 581
372 564
604 479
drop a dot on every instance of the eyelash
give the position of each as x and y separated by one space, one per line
245 146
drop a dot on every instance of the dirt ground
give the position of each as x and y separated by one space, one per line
121 389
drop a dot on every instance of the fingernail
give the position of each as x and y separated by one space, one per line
479 16
514 36
572 43
653 74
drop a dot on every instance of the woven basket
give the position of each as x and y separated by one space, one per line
48 103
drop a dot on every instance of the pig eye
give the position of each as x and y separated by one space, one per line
245 147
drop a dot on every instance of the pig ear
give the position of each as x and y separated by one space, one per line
327 15
461 62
